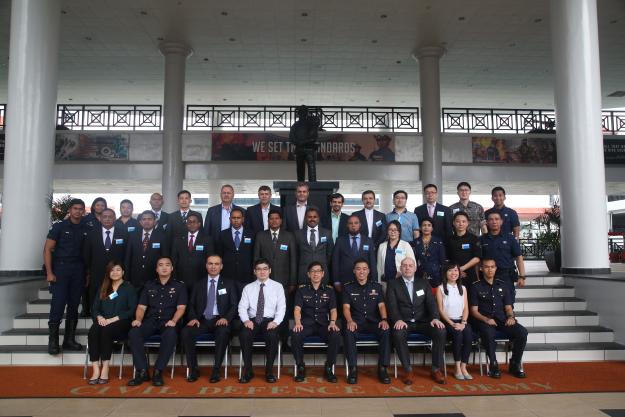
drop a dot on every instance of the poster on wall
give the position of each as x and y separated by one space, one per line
519 150
614 151
351 147
91 146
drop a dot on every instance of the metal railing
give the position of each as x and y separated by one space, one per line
3 110
108 117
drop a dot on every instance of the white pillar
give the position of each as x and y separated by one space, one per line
176 55
29 149
575 50
386 197
430 89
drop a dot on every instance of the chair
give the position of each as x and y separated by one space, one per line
208 340
258 342
416 340
154 341
121 343
362 340
312 342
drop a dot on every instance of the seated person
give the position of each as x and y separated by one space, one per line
261 309
491 310
365 313
161 306
112 311
412 308
453 307
315 314
212 307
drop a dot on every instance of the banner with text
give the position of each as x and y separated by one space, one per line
71 146
614 151
519 150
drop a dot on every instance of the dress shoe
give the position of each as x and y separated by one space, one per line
407 377
516 370
157 378
383 375
69 338
459 376
246 376
94 381
194 374
141 376
271 378
438 377
467 377
329 373
300 374
102 381
353 376
53 339
494 372
215 376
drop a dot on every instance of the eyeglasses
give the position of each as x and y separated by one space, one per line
262 268
316 271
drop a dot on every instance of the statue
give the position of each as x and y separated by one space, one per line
304 134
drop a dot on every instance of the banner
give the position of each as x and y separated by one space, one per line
614 151
528 150
91 146
276 147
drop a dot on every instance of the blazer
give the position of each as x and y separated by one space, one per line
162 222
430 261
322 253
342 224
254 217
423 307
96 257
140 266
290 218
441 222
379 222
177 227
237 263
227 300
343 259
403 250
212 222
190 267
283 255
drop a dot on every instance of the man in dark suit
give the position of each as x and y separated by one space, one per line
337 222
143 250
103 245
161 219
257 216
438 214
347 250
412 308
295 214
236 248
218 217
189 252
177 226
373 222
314 243
212 307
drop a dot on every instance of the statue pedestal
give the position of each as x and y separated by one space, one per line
320 192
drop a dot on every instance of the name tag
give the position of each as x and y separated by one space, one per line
456 210
378 223
156 245
284 247
505 215
466 246
399 251
365 248
199 248
222 291
247 240
440 213
420 293
323 239
131 228
505 242
113 295
119 241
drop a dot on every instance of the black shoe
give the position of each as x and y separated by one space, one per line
301 373
270 377
157 378
194 374
246 376
215 376
494 372
53 339
329 373
516 370
353 376
69 338
383 375
141 376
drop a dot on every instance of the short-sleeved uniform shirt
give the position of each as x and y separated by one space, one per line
490 299
475 212
503 248
509 217
315 304
461 249
162 300
363 301
69 238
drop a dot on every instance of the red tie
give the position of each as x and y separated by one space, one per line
191 244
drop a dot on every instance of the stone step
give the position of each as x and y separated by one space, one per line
550 304
556 318
545 291
539 280
36 337
569 334
40 320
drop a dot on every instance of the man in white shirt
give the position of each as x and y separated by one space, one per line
261 309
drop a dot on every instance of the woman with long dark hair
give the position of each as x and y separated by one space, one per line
429 251
113 311
93 218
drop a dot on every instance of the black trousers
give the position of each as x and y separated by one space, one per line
383 337
101 339
516 333
66 291
137 336
190 334
271 338
438 336
332 339
461 341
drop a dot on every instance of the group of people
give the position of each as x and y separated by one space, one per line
276 274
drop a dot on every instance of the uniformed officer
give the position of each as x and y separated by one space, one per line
463 248
62 255
315 314
491 311
161 306
506 251
365 313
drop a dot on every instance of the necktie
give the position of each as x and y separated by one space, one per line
237 239
107 242
156 216
210 302
431 211
184 216
260 306
191 243
146 241
275 239
354 245
313 241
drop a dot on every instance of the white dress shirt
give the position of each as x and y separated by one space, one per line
112 230
369 216
157 214
189 235
265 214
225 217
275 301
301 213
277 232
316 229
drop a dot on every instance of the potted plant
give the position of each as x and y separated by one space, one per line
59 207
549 237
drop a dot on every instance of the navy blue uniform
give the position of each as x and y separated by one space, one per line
162 302
461 249
509 217
68 267
491 301
503 248
430 259
363 302
316 306
131 226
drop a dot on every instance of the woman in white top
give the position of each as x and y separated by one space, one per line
391 252
453 308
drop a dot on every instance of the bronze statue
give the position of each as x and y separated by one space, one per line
304 134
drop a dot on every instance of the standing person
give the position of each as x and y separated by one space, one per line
408 220
257 216
391 252
218 216
430 254
314 243
373 222
453 308
189 252
295 214
92 219
113 311
509 217
463 248
161 306
161 219
438 214
474 211
125 220
236 248
347 250
262 308
62 255
338 219
177 226
315 314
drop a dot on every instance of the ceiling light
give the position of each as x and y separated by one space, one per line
232 39
398 62
63 12
88 38
160 38
613 21
205 59
512 44
383 16
538 20
304 14
143 12
303 39
224 13
461 18
374 41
